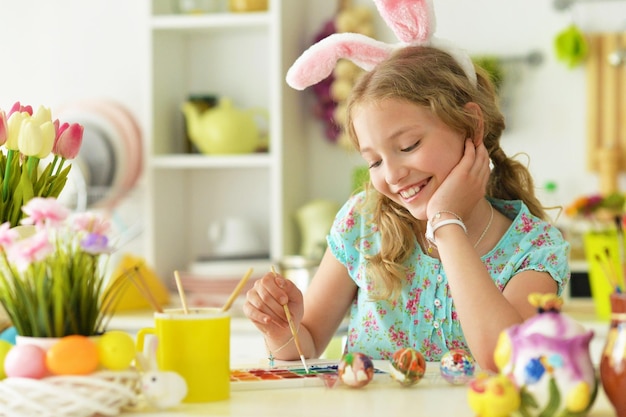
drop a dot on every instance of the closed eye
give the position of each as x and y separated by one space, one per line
410 148
375 164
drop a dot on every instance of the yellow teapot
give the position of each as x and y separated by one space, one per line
224 129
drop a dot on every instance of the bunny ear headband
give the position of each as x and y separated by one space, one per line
413 23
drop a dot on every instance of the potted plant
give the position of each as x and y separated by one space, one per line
52 280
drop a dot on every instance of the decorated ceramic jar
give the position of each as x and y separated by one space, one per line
548 359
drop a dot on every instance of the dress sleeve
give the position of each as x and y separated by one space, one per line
547 251
345 237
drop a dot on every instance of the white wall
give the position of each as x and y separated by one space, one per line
52 52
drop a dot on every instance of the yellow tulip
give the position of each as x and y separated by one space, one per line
30 140
42 116
48 134
14 125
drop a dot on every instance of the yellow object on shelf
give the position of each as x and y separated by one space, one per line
603 257
131 298
247 5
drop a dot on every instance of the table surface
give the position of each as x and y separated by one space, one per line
432 396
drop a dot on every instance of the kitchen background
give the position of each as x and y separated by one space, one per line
58 53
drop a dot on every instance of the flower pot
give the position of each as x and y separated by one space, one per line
43 342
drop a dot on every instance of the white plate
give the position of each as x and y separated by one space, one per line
103 152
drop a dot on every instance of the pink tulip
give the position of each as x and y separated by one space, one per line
17 107
3 127
68 141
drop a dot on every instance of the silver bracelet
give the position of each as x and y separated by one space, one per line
270 356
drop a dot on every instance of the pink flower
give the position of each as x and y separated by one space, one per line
42 211
68 141
3 127
27 251
8 235
18 108
91 223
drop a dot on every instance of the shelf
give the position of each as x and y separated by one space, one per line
197 161
242 56
209 22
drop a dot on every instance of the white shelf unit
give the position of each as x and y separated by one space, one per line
242 56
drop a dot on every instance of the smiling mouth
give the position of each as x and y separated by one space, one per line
410 192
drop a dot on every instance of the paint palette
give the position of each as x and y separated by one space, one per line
285 377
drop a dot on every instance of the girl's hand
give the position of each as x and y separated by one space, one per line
265 301
466 184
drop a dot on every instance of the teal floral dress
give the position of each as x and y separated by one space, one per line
424 316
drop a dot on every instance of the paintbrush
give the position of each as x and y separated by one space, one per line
620 242
294 331
608 270
237 290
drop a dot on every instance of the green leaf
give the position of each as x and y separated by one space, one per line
554 400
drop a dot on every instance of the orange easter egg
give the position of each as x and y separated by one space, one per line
72 355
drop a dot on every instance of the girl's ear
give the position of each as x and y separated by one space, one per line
479 131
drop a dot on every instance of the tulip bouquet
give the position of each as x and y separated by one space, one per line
52 271
27 139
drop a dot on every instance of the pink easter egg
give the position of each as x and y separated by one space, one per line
26 361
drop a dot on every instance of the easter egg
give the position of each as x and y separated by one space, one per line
407 366
356 369
72 355
116 350
26 361
457 366
5 347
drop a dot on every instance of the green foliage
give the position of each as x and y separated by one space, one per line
21 180
493 67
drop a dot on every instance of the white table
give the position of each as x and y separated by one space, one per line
432 396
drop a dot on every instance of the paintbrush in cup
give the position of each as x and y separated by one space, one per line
294 331
237 290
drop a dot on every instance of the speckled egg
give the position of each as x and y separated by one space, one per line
457 366
407 366
356 369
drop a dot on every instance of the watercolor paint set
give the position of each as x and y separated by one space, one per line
285 377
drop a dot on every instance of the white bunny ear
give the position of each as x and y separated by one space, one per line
460 56
318 62
412 21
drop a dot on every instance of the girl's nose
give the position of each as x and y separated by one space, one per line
395 173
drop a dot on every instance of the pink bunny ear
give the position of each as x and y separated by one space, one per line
410 20
318 62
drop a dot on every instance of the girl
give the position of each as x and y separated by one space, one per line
443 247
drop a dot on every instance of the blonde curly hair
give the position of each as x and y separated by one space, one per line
431 78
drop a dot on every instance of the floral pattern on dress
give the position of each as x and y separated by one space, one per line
424 316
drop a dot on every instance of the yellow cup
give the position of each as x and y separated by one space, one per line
196 346
603 245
